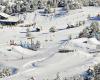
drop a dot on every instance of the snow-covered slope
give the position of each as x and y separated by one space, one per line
47 61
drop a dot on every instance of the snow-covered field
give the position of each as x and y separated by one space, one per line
46 62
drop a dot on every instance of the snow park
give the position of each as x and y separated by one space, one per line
49 39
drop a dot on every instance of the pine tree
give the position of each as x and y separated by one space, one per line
28 34
95 26
52 29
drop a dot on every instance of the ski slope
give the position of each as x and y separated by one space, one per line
47 61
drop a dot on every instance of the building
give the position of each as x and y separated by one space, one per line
6 19
3 16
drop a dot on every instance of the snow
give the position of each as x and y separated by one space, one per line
94 41
47 61
2 8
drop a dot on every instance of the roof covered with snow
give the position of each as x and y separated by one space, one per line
4 15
